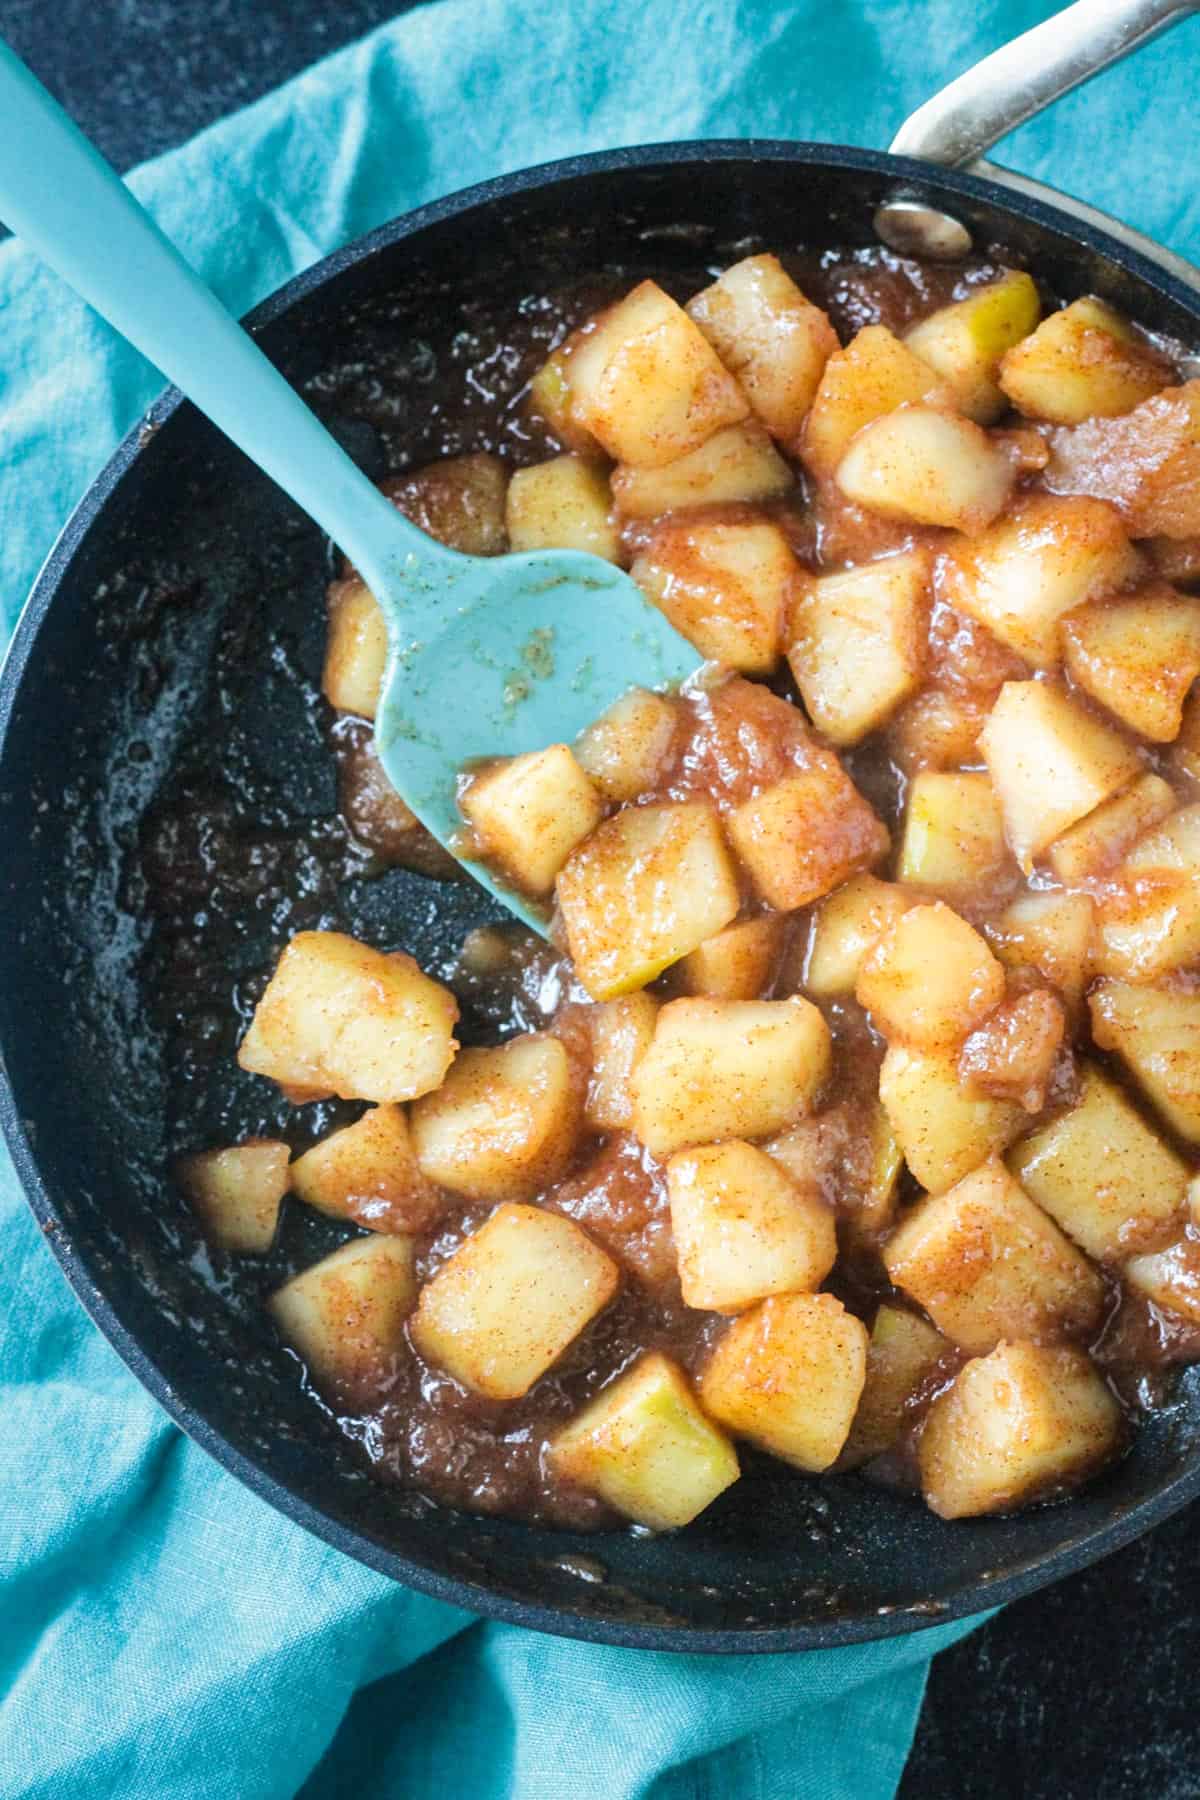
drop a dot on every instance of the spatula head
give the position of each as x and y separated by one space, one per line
530 649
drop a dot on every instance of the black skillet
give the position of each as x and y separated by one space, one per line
173 635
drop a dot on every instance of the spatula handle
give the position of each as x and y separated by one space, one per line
59 195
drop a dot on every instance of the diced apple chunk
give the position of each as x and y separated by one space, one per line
872 376
1081 363
848 924
1048 556
1170 1278
1186 752
459 500
743 1229
929 978
504 1123
928 466
621 1032
1138 657
1177 560
1013 1053
803 836
1103 837
236 1193
338 1017
964 342
527 814
369 1173
563 504
776 342
1051 763
644 1446
737 964
550 401
856 643
344 1317
739 464
728 1068
648 886
1023 1422
356 648
953 842
1147 463
624 749
1101 1173
943 1129
1156 1033
788 1375
903 1351
1053 933
510 1300
986 1263
936 730
724 584
647 383
1149 916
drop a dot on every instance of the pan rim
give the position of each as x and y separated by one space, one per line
461 1591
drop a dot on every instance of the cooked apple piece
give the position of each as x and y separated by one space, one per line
550 400
1045 558
736 964
942 1128
803 836
1051 764
1138 657
1149 916
728 1068
1146 464
903 1351
724 584
953 842
1081 363
739 464
644 1446
964 342
1101 1173
744 1229
459 500
1026 1421
340 1018
648 886
872 376
986 1263
1171 1278
1156 1033
846 925
621 1032
1102 838
1011 1056
624 749
776 342
356 648
856 643
529 812
369 1173
875 1201
936 730
344 1317
563 504
1186 751
505 1306
1052 933
1177 560
647 383
236 1192
788 1375
929 978
504 1123
932 467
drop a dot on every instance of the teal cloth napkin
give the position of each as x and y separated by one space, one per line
162 1631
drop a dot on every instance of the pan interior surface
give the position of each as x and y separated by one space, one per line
179 624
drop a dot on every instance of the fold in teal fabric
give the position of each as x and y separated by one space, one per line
162 1631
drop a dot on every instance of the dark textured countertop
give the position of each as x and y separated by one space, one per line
1088 1689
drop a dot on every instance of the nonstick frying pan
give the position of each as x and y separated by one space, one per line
109 684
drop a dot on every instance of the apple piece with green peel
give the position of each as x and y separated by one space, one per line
550 401
856 643
1156 1033
563 504
872 376
929 467
737 465
527 813
774 340
953 843
744 1229
236 1193
964 342
943 1130
647 886
1084 362
1138 657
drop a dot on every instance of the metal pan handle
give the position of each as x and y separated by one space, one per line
1000 93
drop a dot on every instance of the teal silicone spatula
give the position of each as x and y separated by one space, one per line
488 656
